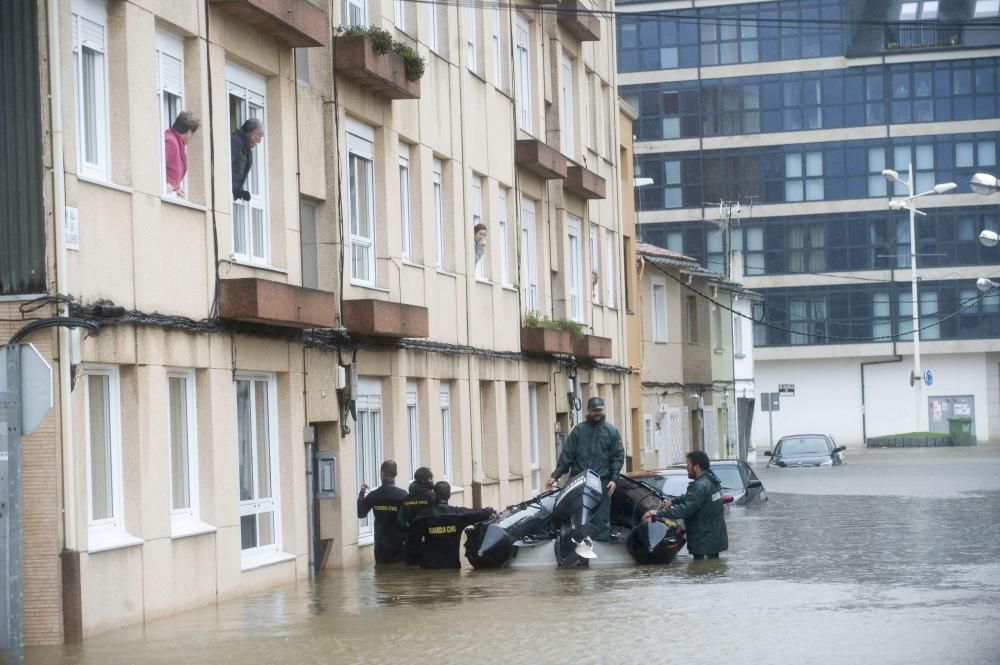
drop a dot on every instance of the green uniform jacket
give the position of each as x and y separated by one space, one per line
702 511
595 446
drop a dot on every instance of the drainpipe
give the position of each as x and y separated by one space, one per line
62 278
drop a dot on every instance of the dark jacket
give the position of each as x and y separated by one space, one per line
592 445
701 508
419 499
242 157
385 502
440 530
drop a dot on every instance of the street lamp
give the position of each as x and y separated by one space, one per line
985 184
989 238
907 204
986 284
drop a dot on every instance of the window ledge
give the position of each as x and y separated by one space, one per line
370 287
253 561
257 266
105 183
718 352
446 273
510 287
740 355
105 541
409 262
186 526
483 280
457 489
184 203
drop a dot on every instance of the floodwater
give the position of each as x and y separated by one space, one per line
893 558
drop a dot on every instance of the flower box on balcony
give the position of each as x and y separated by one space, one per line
584 183
381 318
383 74
592 346
545 340
253 300
539 158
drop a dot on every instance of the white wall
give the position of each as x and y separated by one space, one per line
828 395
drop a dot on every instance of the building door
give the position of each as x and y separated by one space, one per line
368 446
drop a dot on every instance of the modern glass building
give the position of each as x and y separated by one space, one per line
792 110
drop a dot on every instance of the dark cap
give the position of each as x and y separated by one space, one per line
595 403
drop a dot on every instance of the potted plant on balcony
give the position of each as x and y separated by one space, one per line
370 56
543 335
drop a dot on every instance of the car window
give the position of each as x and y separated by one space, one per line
674 485
803 445
751 474
730 477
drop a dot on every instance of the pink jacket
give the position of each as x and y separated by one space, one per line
175 154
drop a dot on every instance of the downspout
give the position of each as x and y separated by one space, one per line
62 278
895 359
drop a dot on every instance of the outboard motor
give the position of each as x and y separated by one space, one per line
574 507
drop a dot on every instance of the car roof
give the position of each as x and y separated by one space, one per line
797 436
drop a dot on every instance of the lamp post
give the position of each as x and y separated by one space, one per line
906 203
986 184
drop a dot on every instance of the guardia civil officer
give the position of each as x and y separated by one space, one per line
384 502
701 508
594 444
419 499
440 529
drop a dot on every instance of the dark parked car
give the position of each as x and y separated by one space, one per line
738 481
806 450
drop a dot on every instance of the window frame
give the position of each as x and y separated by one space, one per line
256 505
105 532
405 220
168 45
251 89
94 12
523 80
595 264
534 458
447 449
476 210
437 198
361 151
529 254
182 517
610 269
308 244
413 425
503 234
361 6
567 110
648 433
471 38
574 267
659 328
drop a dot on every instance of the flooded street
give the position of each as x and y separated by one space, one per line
893 558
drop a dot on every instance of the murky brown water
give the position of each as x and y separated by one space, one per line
873 573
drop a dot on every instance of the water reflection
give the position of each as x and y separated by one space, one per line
808 579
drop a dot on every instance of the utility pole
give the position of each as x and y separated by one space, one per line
730 213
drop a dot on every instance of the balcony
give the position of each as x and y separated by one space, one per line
584 183
592 346
545 340
922 35
578 20
380 318
539 158
297 23
382 74
270 303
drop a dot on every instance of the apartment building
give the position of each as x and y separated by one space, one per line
255 346
793 110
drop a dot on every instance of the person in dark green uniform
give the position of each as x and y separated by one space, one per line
385 502
419 499
701 508
594 444
440 529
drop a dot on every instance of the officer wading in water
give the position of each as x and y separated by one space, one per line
701 508
385 502
419 499
440 529
596 445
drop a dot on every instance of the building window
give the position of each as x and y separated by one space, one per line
574 260
647 433
399 14
438 196
404 201
479 251
361 201
182 433
807 320
925 10
877 184
368 446
806 248
471 37
251 227
102 431
256 438
672 184
533 448
717 336
170 97
413 426
659 310
881 315
448 470
738 350
753 239
308 244
804 176
503 239
355 13
90 22
691 319
496 42
432 22
970 154
987 8
303 67
922 158
529 271
566 101
522 44
715 256
611 268
595 265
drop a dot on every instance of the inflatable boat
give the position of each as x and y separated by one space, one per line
553 529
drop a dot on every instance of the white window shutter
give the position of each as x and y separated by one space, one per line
171 74
90 34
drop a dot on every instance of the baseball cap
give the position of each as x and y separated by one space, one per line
595 403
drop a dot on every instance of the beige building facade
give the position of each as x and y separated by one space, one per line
249 363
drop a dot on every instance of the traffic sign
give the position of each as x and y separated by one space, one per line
929 377
770 402
786 389
35 388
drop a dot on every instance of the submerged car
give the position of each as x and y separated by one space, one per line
806 450
738 481
554 529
